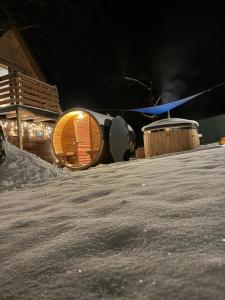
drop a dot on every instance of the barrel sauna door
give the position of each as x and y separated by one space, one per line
82 132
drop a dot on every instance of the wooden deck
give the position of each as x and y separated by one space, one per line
19 89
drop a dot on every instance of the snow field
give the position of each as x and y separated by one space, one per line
144 229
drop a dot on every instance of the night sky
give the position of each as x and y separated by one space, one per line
87 48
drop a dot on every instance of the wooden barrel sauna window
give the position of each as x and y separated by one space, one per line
77 139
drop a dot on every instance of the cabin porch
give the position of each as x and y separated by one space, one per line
28 111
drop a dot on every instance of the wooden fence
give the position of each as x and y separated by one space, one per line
17 88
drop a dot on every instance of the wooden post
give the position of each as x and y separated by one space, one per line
168 114
19 129
11 85
57 96
16 86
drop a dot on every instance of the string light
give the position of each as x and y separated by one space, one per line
39 130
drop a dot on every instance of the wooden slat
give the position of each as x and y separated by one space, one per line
25 90
39 105
174 140
94 135
153 144
50 97
163 141
37 90
32 80
38 86
32 97
6 95
7 101
68 138
5 77
83 135
7 89
7 82
168 141
26 97
33 92
19 128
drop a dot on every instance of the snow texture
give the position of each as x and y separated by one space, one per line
21 167
143 229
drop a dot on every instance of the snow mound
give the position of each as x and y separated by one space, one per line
22 167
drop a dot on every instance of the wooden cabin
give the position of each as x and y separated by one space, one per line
29 105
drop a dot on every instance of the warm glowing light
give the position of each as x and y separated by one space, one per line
28 129
77 113
80 115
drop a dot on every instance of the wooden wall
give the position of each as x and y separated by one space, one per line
41 148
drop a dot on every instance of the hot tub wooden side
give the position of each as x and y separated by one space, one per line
169 140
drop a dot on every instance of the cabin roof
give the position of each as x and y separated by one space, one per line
18 36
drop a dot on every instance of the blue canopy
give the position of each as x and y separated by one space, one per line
160 109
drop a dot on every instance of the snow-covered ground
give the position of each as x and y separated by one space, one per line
144 229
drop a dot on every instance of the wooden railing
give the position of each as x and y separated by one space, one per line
17 88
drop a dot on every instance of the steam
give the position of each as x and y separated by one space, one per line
172 89
171 68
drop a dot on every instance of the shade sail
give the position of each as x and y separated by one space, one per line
160 109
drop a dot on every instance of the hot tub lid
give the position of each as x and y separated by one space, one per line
170 122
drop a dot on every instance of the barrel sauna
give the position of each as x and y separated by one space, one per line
80 138
170 135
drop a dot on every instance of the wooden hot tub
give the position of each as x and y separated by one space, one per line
170 135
